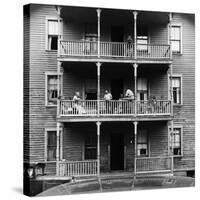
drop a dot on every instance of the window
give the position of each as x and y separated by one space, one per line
142 89
51 145
176 38
142 38
91 89
90 147
52 88
175 141
142 143
52 26
176 88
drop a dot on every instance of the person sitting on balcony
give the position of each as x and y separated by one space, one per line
129 94
107 98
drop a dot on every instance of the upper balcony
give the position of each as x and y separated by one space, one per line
114 50
111 35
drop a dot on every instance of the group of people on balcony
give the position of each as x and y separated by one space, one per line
124 105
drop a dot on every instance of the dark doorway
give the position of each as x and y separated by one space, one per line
91 96
117 34
117 88
117 152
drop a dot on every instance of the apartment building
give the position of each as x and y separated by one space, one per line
90 50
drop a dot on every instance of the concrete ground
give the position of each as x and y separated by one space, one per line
118 183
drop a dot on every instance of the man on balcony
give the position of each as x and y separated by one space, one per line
107 98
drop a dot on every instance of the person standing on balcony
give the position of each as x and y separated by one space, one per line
107 98
77 104
130 46
129 95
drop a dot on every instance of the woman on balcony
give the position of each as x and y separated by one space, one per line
107 98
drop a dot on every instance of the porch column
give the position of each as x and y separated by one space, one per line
98 86
58 8
169 34
135 33
172 147
98 147
135 147
58 86
98 31
135 86
57 148
171 89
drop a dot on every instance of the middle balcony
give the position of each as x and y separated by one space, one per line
150 90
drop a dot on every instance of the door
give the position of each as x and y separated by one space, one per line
117 88
117 35
117 152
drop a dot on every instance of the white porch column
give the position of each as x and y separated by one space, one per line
98 146
57 148
135 147
169 34
135 87
135 33
172 147
99 30
98 86
59 29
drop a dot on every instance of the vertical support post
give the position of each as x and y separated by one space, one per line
135 85
58 87
57 148
98 147
169 35
171 90
135 148
59 29
99 30
135 34
172 147
98 86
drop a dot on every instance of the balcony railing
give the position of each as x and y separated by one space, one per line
114 108
113 50
78 168
152 164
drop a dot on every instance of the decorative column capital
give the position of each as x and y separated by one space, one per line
98 64
98 123
98 12
170 17
135 13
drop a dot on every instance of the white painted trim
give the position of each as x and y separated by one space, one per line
181 79
45 142
46 82
181 37
46 31
181 127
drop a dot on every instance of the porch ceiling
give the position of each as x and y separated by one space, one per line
86 14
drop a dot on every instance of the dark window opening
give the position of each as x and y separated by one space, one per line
91 147
53 42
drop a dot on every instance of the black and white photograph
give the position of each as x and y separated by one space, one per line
109 99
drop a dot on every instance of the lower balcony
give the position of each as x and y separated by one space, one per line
114 110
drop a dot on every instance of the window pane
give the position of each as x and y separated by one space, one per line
175 33
176 46
51 145
142 84
53 27
54 43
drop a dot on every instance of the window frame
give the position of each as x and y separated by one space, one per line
142 91
181 140
148 144
46 87
181 39
84 148
46 143
181 88
48 18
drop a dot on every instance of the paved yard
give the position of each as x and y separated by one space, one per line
118 184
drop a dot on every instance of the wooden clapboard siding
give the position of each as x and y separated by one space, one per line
185 65
41 61
26 81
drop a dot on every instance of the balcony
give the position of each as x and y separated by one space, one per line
114 109
114 50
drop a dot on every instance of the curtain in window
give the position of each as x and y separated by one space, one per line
53 27
142 89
